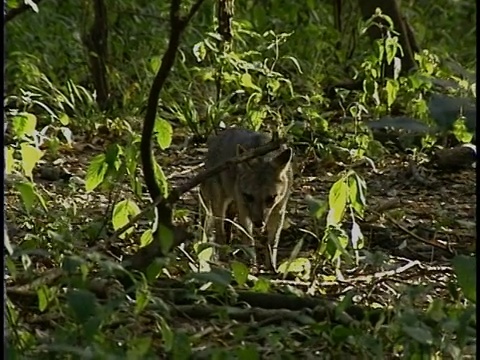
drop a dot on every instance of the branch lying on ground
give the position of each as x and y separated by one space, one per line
13 13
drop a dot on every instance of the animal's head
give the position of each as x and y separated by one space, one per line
261 184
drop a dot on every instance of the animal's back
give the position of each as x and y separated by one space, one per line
224 146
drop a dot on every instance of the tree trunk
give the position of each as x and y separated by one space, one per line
96 42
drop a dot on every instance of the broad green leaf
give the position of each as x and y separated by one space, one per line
262 285
167 334
41 200
273 85
356 194
155 63
64 119
164 133
246 81
256 118
300 266
392 88
461 132
166 238
24 124
122 212
465 268
112 156
9 160
43 297
200 51
142 298
146 238
27 194
30 157
240 272
337 201
96 172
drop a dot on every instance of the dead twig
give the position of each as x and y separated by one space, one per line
417 237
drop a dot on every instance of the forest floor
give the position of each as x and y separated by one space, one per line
402 218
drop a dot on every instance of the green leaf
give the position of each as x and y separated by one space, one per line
96 172
167 335
9 160
164 133
240 272
122 212
256 118
392 88
356 193
112 156
461 132
83 303
43 296
301 266
30 157
465 268
337 201
155 63
146 238
142 298
166 238
64 119
27 194
246 81
41 200
262 285
24 124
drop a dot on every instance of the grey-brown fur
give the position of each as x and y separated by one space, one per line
257 191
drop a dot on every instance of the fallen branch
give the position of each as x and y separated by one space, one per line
419 238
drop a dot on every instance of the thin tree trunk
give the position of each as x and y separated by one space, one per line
96 42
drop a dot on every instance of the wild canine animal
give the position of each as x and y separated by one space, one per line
257 191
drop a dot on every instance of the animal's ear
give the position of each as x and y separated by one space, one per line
282 159
240 150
